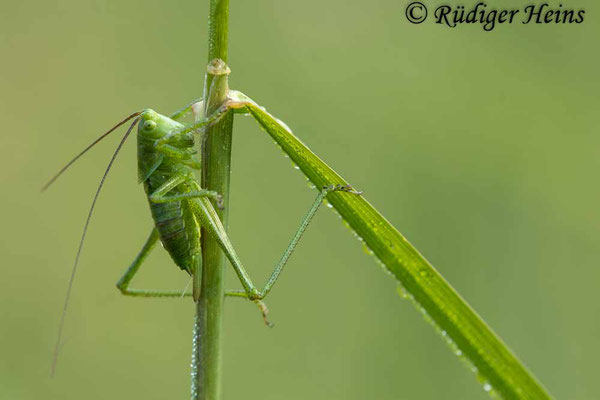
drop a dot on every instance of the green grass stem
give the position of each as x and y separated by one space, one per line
216 159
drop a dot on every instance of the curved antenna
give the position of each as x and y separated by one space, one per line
87 222
63 169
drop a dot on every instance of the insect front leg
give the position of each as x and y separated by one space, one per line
123 283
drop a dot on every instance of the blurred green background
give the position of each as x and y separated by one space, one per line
481 147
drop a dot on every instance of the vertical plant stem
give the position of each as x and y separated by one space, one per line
216 159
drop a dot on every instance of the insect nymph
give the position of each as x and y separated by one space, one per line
180 207
166 164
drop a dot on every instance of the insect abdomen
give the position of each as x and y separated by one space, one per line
178 233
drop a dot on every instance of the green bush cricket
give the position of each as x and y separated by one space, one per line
180 207
493 361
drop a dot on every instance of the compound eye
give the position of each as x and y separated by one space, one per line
149 125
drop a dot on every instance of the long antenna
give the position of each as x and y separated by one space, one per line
63 169
87 222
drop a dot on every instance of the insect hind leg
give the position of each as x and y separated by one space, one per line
123 283
298 235
257 297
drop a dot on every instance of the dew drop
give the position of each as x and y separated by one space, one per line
403 292
194 364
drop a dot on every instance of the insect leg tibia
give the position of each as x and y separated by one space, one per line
123 283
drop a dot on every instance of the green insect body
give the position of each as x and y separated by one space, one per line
181 210
178 228
180 207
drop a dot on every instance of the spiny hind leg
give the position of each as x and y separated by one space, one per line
298 235
123 283
211 222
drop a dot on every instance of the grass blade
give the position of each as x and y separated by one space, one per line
500 370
